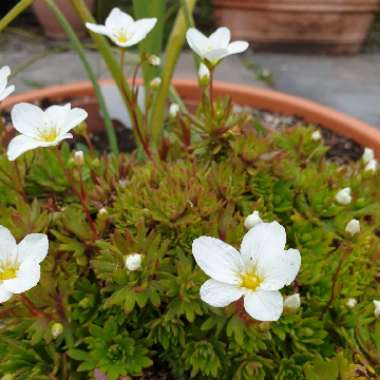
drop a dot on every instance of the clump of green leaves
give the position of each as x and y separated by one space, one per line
212 174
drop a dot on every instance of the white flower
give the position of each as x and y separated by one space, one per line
353 227
257 273
79 158
216 47
4 90
155 83
20 264
377 308
371 166
316 135
42 128
154 60
133 261
203 75
252 219
368 155
344 196
173 110
122 29
293 301
351 303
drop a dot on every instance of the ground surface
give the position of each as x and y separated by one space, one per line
348 84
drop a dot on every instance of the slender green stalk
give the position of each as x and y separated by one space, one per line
14 12
82 55
175 43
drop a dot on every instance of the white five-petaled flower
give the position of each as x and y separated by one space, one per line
377 308
216 47
257 273
42 128
252 220
293 301
20 263
133 261
4 90
344 196
353 227
316 135
351 303
122 29
371 166
368 155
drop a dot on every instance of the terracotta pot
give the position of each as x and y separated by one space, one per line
332 26
82 93
50 24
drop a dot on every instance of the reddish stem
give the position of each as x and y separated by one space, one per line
33 309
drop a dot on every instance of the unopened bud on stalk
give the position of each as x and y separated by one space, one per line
103 213
173 110
204 75
133 261
154 60
316 135
155 83
79 158
56 329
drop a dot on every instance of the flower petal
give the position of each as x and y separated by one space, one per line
217 259
237 47
4 94
278 269
27 118
263 305
8 245
220 38
5 295
72 119
21 144
28 276
140 29
100 29
197 41
261 240
118 19
214 56
33 247
218 294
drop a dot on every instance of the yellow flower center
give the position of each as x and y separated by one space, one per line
250 281
8 272
123 36
49 135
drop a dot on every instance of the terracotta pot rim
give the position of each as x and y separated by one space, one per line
304 6
270 100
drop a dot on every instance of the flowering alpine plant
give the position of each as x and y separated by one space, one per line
215 249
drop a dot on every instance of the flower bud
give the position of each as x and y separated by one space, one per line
371 166
377 308
343 196
154 60
79 158
173 110
56 329
204 75
155 83
103 214
316 135
353 227
368 155
252 220
293 302
133 261
351 303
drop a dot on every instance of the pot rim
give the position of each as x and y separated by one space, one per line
273 101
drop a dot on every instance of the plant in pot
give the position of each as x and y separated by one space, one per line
216 250
332 26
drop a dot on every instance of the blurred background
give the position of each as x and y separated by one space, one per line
325 50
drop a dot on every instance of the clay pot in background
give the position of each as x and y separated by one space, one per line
50 24
327 26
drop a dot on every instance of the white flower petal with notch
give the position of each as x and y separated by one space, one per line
219 294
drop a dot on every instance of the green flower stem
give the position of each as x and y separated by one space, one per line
14 12
211 92
113 66
174 46
77 45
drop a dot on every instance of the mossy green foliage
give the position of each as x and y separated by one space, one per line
210 178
